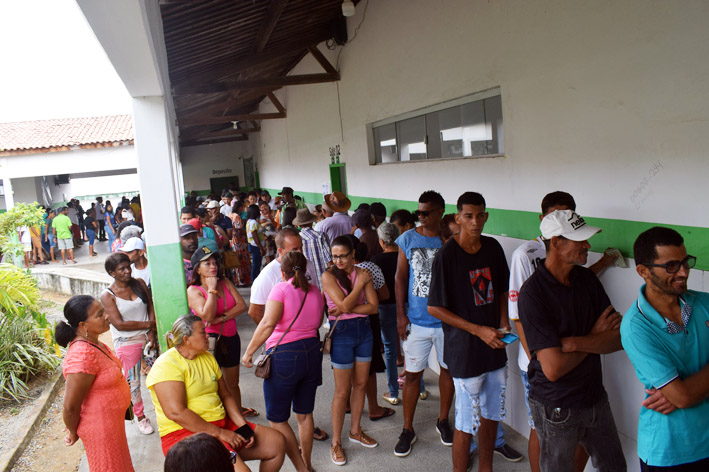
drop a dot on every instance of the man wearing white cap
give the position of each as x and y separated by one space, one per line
135 250
569 321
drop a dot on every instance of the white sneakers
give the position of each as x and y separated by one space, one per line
145 427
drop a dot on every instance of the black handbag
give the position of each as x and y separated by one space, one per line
263 361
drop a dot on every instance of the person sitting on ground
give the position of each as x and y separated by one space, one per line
290 330
96 393
190 396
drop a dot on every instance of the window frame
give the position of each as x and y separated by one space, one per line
422 112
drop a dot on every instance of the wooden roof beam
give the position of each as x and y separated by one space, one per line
272 17
254 60
207 120
266 82
322 60
214 141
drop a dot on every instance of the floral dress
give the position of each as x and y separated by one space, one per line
242 274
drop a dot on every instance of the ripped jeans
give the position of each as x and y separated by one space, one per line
484 394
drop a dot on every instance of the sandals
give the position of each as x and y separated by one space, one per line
320 435
248 412
387 413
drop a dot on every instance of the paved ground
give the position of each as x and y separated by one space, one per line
428 453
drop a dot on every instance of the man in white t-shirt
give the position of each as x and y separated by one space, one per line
525 260
287 240
134 248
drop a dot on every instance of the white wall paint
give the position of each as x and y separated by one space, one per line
594 94
75 161
201 163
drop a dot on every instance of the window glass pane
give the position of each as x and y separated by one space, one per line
385 148
493 119
474 132
412 139
450 132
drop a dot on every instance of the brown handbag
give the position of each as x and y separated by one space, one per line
263 361
231 260
327 342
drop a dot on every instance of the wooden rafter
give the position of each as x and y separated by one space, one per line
266 82
206 120
238 66
279 106
225 132
213 141
322 60
272 17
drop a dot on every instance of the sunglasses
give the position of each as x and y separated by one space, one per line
341 257
673 266
424 213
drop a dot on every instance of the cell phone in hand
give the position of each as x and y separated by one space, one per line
245 432
509 338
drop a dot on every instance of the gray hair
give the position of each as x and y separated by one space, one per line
388 232
183 326
132 231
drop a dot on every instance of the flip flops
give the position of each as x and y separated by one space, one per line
387 413
248 412
320 435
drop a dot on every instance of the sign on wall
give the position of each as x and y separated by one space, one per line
249 171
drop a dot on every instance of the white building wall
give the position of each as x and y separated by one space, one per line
210 161
594 95
72 162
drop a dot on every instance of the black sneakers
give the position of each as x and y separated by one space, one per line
406 439
444 429
508 453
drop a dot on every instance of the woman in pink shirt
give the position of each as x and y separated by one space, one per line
351 298
289 327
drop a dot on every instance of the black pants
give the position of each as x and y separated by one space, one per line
101 230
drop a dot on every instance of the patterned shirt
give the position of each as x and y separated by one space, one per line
676 328
316 250
377 274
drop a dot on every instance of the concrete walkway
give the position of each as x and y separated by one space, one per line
428 453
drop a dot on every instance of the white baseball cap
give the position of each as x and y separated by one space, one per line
566 223
132 244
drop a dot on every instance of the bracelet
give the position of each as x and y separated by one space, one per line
213 291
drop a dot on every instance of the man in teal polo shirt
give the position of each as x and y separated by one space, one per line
666 336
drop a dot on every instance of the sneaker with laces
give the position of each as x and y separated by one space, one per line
337 455
394 400
444 429
363 439
145 427
508 453
406 439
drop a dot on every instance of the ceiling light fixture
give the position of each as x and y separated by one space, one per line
235 124
348 8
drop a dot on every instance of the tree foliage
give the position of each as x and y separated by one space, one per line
22 214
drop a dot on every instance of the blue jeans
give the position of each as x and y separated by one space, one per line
560 429
91 234
351 342
256 262
296 373
111 236
390 339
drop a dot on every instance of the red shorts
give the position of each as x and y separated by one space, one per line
173 438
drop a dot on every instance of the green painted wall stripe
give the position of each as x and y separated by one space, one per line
167 281
620 234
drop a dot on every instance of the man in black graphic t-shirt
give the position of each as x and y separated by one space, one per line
468 293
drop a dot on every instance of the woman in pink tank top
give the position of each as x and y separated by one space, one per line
214 298
351 298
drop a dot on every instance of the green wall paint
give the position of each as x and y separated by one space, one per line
167 281
620 234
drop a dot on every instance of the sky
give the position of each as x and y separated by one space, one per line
52 65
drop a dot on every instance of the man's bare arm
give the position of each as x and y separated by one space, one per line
685 393
556 364
256 312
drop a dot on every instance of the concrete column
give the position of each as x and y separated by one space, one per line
6 185
160 207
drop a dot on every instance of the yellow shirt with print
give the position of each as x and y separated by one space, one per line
200 376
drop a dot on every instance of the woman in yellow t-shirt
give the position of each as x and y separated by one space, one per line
190 396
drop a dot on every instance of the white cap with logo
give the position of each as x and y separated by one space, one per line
566 223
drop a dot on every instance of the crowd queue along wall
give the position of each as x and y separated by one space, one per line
597 99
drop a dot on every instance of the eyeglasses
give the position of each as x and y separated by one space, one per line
673 266
341 257
424 213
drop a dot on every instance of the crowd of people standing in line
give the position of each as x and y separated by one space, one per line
403 289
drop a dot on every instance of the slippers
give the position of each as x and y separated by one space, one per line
387 413
320 435
248 412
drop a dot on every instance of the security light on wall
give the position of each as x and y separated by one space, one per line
348 8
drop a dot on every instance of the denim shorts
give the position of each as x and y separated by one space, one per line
525 382
418 344
484 394
228 350
91 234
296 373
351 341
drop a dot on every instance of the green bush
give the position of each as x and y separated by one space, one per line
26 346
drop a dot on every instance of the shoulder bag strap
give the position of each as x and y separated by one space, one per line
291 323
